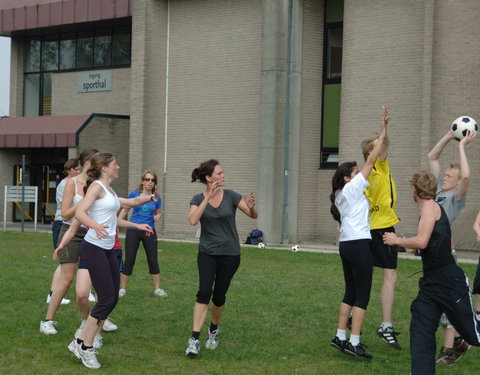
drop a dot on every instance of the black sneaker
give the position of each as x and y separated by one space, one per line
338 344
358 350
389 336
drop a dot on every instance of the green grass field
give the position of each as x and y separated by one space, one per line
280 316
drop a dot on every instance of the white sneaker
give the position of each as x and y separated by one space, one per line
80 329
109 326
122 292
212 341
160 293
193 347
47 327
73 347
88 357
64 300
91 297
97 341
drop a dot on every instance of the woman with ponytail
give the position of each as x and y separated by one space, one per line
350 208
219 248
98 211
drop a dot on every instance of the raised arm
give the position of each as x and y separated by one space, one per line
196 212
386 139
372 157
429 214
139 200
247 206
434 155
464 166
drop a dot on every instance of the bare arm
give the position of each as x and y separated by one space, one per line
66 238
247 206
137 201
94 192
128 224
68 209
476 226
386 140
434 155
372 157
464 166
429 214
196 212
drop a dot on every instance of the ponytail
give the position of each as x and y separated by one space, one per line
338 182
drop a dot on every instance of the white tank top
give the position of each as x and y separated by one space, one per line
76 198
104 211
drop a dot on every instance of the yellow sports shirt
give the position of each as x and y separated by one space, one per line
382 196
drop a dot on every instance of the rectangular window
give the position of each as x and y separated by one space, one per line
103 48
31 97
332 87
46 94
121 44
85 50
67 51
32 55
50 54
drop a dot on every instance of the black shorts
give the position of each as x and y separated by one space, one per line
384 256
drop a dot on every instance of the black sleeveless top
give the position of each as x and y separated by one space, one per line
438 253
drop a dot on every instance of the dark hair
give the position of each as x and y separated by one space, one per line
69 164
204 169
338 182
140 186
97 161
86 155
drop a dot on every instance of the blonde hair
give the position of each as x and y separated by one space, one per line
368 144
425 184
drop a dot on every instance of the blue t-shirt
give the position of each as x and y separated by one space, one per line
145 213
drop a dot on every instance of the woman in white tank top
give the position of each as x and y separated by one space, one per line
98 211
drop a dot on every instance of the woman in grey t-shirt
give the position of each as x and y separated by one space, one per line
219 247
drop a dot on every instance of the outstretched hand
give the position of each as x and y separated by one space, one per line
250 200
385 116
146 228
469 138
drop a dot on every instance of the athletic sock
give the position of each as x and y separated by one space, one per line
386 325
195 335
213 327
354 339
342 334
84 347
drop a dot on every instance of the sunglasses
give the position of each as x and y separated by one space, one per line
149 180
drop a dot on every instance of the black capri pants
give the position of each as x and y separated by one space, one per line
218 270
443 290
476 281
132 242
357 272
103 268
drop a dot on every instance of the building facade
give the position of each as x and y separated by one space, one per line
279 91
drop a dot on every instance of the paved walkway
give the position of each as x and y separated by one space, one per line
464 256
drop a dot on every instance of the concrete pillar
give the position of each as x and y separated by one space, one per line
279 119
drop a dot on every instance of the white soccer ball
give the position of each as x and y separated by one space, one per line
295 248
462 124
261 245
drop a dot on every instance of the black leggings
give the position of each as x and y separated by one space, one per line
357 272
476 281
102 266
218 269
132 242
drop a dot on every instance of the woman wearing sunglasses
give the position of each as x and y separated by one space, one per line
149 213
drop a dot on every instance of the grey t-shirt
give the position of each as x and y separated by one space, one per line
450 202
218 229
